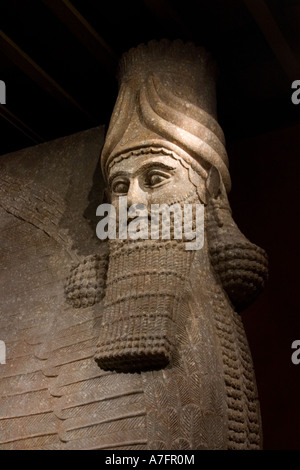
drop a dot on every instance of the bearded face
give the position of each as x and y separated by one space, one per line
146 277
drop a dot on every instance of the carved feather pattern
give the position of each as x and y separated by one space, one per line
181 399
211 387
62 400
26 405
242 400
91 405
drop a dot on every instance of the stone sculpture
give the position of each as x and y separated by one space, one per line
162 361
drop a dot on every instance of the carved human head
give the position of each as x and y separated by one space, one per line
164 145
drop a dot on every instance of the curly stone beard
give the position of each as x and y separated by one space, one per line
145 284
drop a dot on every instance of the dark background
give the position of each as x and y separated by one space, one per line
59 62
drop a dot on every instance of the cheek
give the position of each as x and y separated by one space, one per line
114 201
173 192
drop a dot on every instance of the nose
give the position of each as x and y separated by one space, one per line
135 194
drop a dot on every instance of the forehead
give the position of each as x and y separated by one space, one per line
136 163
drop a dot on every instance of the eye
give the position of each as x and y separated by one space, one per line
156 178
120 186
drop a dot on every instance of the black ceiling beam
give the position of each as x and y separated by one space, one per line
38 75
273 35
85 33
20 125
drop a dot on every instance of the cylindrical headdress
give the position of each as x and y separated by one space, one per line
167 102
167 99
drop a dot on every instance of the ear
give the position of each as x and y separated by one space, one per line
213 182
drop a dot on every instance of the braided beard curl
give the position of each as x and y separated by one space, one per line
145 284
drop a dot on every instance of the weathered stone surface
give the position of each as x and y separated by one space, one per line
173 368
167 308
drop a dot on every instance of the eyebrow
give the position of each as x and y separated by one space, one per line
117 173
146 166
157 164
